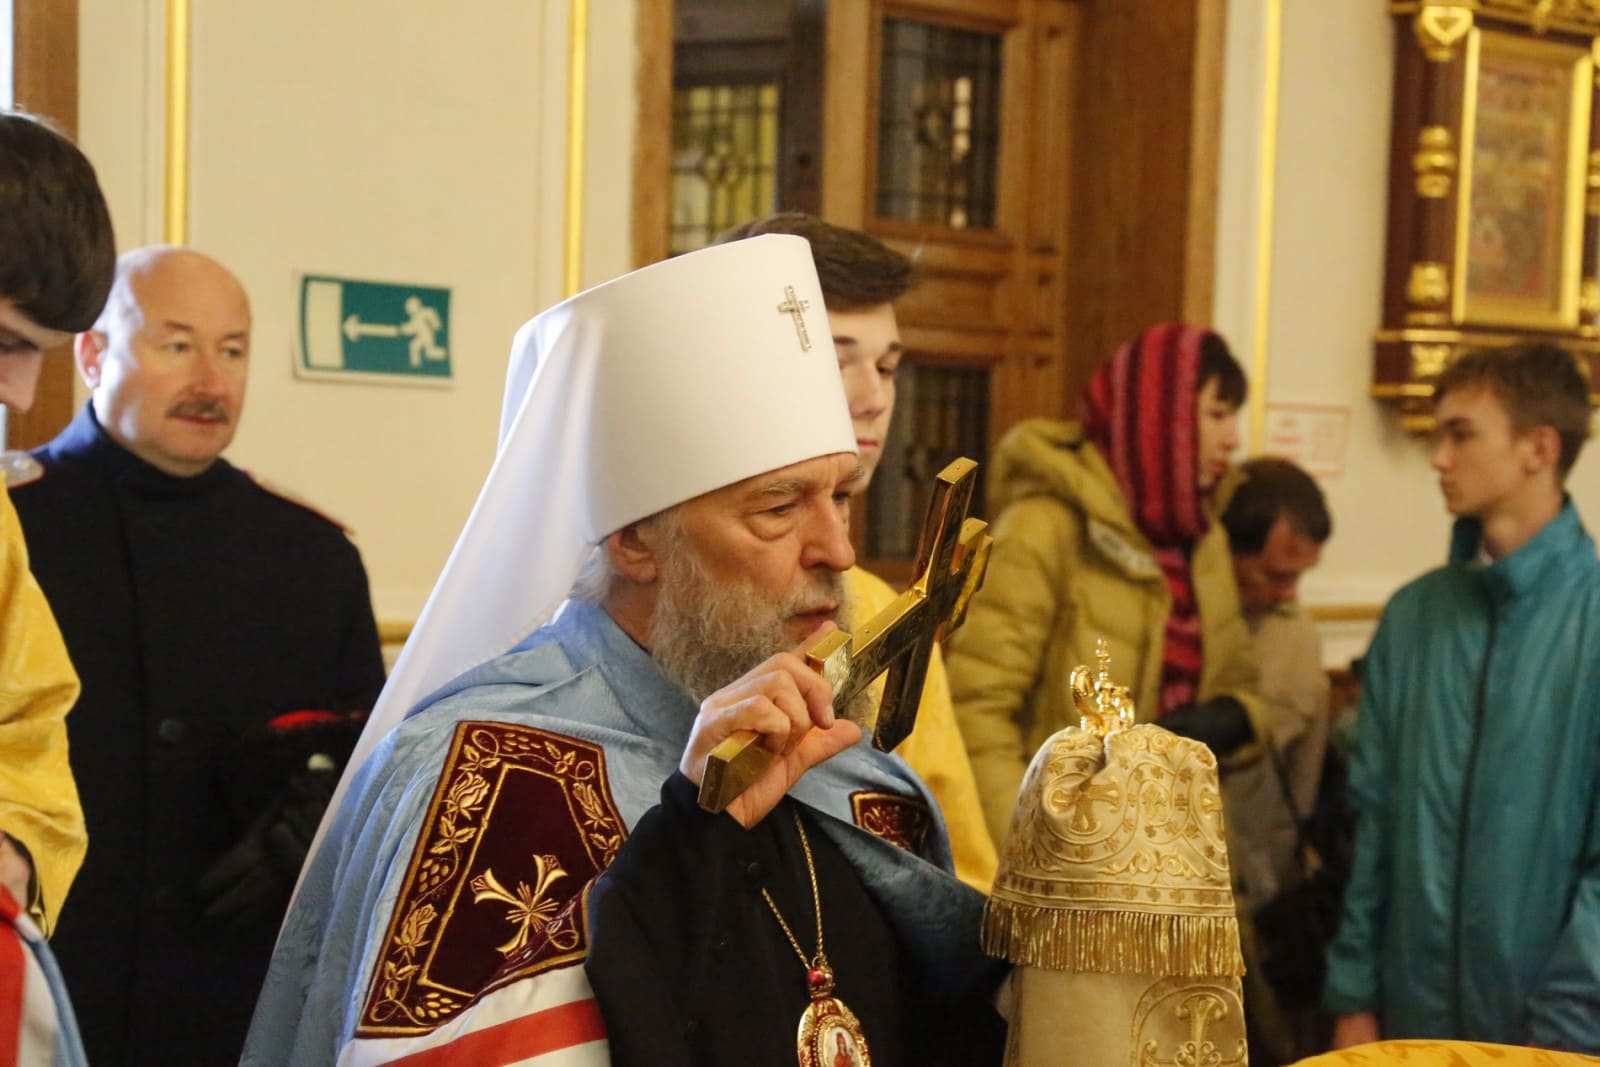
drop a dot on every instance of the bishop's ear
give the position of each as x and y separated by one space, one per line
635 552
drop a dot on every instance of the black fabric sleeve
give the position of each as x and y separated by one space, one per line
652 928
361 674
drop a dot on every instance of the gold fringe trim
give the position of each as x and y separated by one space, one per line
1112 942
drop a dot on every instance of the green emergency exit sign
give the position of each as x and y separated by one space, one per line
373 331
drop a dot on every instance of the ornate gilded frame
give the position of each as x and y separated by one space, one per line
1489 240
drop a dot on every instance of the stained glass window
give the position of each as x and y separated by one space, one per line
938 124
724 159
941 414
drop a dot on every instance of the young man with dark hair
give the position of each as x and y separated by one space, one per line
56 258
1474 903
57 252
861 279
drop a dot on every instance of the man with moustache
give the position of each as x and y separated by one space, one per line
676 461
199 608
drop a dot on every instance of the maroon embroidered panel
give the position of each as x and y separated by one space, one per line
520 823
899 820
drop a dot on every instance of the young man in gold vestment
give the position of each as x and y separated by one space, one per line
56 258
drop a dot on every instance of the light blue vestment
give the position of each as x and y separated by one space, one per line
580 676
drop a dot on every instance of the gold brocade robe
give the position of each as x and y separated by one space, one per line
935 749
38 800
1427 1053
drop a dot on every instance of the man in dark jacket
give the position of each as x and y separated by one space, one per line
201 609
1473 908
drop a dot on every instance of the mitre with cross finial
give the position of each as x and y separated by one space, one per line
1113 897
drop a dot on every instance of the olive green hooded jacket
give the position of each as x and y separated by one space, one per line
1070 567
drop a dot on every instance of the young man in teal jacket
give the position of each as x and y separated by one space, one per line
1473 910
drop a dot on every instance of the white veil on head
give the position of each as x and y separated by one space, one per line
622 401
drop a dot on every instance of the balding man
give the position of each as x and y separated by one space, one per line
200 608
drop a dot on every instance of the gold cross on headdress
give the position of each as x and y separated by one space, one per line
951 558
796 307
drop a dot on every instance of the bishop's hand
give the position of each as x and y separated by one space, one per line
791 707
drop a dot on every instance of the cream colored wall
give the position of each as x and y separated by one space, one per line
377 140
1326 284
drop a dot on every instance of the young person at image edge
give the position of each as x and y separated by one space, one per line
1473 909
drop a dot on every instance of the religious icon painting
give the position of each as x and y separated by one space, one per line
830 1036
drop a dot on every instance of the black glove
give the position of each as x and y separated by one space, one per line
278 781
249 885
1221 724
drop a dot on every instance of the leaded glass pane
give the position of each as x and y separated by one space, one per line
938 125
941 414
724 159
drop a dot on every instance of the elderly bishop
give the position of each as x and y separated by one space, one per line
519 870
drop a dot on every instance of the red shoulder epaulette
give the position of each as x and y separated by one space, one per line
284 494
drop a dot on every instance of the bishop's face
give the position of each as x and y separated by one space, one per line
751 570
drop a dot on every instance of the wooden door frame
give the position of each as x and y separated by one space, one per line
45 75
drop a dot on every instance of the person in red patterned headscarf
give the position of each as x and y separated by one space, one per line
1105 530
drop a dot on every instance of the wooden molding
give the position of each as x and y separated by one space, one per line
1143 183
850 91
45 75
1344 612
1205 161
652 152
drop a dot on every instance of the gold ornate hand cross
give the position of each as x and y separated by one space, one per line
951 558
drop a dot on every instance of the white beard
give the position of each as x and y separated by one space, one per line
704 636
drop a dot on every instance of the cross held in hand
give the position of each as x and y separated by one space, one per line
952 556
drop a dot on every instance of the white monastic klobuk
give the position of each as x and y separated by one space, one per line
596 387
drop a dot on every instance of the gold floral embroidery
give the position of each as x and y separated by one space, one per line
900 820
1183 1023
531 908
408 994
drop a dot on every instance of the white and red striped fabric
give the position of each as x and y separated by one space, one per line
547 1020
37 1028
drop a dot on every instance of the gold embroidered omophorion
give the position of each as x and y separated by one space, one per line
494 893
829 1031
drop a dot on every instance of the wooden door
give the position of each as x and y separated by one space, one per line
45 82
1050 165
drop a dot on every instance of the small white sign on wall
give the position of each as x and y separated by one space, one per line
1316 436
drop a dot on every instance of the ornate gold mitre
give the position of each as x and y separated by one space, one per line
1113 898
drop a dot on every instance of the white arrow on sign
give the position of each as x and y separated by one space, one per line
354 329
